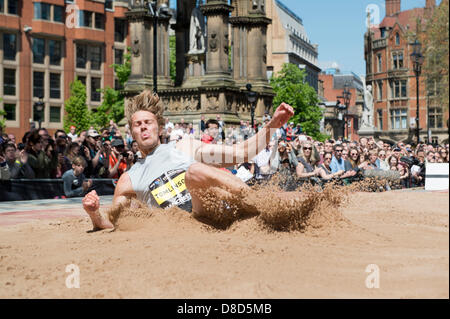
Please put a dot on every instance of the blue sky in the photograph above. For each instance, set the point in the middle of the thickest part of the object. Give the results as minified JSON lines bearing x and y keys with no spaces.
{"x":338,"y":27}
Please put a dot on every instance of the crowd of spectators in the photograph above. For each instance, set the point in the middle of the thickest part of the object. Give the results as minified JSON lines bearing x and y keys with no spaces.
{"x":80,"y":156}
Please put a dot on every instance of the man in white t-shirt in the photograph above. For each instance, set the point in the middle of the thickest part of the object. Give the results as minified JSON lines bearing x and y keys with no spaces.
{"x":168,"y":124}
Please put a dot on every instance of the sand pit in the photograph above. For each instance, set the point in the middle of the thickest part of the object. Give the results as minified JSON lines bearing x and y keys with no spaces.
{"x":171,"y":255}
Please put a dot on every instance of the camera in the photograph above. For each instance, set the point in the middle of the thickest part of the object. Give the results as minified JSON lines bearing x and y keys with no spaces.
{"x":125,"y":154}
{"x":409,"y":161}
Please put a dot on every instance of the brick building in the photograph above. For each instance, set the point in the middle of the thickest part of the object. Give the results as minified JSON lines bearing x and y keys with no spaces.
{"x":332,"y":84}
{"x":288,"y":42}
{"x":389,"y":69}
{"x":45,"y":44}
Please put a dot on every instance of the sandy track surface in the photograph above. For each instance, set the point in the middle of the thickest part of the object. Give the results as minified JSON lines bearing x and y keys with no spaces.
{"x":172,"y":255}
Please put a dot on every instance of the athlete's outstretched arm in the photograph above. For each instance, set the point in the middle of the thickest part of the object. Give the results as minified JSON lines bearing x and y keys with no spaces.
{"x":227,"y":155}
{"x":122,"y":196}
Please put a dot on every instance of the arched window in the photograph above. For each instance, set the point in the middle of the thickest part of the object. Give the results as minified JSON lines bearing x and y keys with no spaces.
{"x":397,"y":39}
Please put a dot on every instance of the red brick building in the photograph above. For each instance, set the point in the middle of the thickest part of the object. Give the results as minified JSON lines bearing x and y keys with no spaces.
{"x":45,"y":44}
{"x":389,"y":69}
{"x":332,"y":87}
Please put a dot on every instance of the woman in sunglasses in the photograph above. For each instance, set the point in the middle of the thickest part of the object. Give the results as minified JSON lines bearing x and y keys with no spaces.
{"x":325,"y":169}
{"x":354,"y":157}
{"x":307,"y":161}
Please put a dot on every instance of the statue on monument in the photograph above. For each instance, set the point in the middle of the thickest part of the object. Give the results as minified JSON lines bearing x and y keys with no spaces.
{"x":367,"y":116}
{"x":197,"y":32}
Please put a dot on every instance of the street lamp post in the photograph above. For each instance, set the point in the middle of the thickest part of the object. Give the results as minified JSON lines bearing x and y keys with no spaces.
{"x":346,"y":95}
{"x":417,"y":59}
{"x":340,"y":108}
{"x":251,"y":98}
{"x":39,"y":106}
{"x":156,"y":13}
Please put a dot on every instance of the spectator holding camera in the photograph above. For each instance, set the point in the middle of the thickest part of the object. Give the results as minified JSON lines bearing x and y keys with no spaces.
{"x":284,"y":159}
{"x":119,"y":159}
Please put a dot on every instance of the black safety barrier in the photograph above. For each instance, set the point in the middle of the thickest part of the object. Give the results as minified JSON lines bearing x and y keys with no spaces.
{"x":26,"y":189}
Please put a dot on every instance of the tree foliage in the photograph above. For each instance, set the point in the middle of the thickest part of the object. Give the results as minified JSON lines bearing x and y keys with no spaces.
{"x":436,"y":52}
{"x":112,"y":107}
{"x":76,"y":108}
{"x":2,"y":118}
{"x":291,"y":87}
{"x":173,"y":57}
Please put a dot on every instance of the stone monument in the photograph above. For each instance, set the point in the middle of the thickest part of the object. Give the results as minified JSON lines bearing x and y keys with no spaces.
{"x":212,"y":67}
{"x":367,"y":128}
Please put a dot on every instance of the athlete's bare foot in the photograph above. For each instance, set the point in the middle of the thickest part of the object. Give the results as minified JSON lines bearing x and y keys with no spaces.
{"x":91,"y":204}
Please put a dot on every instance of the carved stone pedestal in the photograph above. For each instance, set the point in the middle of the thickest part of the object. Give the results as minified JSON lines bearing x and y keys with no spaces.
{"x":195,"y":70}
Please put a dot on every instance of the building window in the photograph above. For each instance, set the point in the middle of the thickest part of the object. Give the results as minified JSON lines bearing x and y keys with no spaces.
{"x":38,"y":50}
{"x":95,"y":85}
{"x":55,"y":49}
{"x":118,"y":56}
{"x":82,"y":79}
{"x":9,"y":46}
{"x":120,"y":30}
{"x":9,"y":81}
{"x":380,"y":119}
{"x":12,"y":6}
{"x":380,"y":90}
{"x":38,"y":84}
{"x":8,"y":6}
{"x":96,"y":57}
{"x":435,"y":117}
{"x":432,"y":87}
{"x":397,"y":39}
{"x":55,"y":85}
{"x":10,"y":110}
{"x":398,"y":89}
{"x":55,"y":114}
{"x":380,"y":61}
{"x":58,"y":13}
{"x":42,"y":11}
{"x":99,"y":21}
{"x":85,"y":19}
{"x":399,"y":119}
{"x":109,"y":4}
{"x":383,"y":32}
{"x":81,"y":56}
{"x":397,"y":59}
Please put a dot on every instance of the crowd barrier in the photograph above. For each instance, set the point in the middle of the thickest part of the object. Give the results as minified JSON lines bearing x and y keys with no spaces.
{"x":28,"y":189}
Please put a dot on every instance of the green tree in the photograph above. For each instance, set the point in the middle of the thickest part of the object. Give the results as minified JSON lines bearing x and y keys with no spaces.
{"x":173,"y":57}
{"x":77,"y":113}
{"x":291,"y":87}
{"x":112,"y":107}
{"x":435,"y":41}
{"x":2,"y":119}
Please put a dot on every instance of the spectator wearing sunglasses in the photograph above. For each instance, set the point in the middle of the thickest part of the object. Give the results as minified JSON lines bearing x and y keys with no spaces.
{"x":307,"y":161}
{"x":325,"y":169}
{"x":338,"y":164}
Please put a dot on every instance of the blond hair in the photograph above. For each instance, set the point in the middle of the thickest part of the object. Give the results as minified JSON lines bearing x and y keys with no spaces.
{"x":315,"y":156}
{"x":78,"y":160}
{"x":145,"y":101}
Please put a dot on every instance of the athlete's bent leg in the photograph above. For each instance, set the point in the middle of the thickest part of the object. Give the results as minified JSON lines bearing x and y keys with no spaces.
{"x":201,"y":177}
